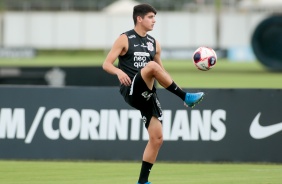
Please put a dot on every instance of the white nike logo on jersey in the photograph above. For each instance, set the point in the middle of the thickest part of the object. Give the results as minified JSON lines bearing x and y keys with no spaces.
{"x":136,"y":45}
{"x":258,"y":131}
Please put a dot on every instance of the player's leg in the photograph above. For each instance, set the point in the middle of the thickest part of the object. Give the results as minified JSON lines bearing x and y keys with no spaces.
{"x":145,"y":99}
{"x":152,"y":149}
{"x":155,"y":140}
{"x":154,"y":71}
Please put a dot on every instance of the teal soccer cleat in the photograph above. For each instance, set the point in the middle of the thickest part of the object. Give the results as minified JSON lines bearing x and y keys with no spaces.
{"x":146,"y":183}
{"x":191,"y":99}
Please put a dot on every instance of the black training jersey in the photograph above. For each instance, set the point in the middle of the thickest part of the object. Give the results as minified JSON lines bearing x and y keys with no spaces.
{"x":140,"y":51}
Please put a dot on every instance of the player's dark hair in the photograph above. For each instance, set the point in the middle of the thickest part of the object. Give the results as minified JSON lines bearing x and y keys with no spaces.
{"x":142,"y":10}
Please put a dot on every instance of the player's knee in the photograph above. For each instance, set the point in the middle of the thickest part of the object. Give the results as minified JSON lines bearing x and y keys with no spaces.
{"x":157,"y":140}
{"x":160,"y":141}
{"x":153,"y":67}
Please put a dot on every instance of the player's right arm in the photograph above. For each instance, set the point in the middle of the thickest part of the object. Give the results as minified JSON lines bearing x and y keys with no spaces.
{"x":119,"y":48}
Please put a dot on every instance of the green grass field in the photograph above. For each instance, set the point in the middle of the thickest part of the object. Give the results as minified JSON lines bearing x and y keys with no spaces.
{"x":43,"y":172}
{"x":225,"y":74}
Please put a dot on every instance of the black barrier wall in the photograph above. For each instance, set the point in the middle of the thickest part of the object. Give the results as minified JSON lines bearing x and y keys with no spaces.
{"x":57,"y":76}
{"x":95,"y":123}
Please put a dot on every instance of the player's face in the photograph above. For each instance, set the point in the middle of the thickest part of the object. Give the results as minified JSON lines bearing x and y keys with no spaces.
{"x":149,"y":21}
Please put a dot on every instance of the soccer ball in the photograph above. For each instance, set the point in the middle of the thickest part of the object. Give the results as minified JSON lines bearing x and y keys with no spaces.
{"x":204,"y":58}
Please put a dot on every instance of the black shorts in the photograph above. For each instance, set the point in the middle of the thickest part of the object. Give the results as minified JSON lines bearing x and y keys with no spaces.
{"x":139,"y":96}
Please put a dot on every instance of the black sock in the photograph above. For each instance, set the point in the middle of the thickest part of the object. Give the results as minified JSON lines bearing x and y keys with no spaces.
{"x":145,"y":171}
{"x":176,"y":90}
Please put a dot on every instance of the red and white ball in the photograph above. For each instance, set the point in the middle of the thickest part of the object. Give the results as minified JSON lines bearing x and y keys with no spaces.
{"x":204,"y":58}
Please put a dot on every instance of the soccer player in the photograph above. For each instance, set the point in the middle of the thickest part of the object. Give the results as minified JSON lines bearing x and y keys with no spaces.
{"x":139,"y":65}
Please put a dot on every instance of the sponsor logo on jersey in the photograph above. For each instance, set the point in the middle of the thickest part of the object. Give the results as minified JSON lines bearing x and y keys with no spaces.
{"x":140,"y":59}
{"x":131,"y":36}
{"x":143,"y":54}
{"x":150,"y":46}
{"x":143,"y":45}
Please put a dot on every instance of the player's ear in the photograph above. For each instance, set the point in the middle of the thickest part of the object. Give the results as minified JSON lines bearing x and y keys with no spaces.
{"x":139,"y":19}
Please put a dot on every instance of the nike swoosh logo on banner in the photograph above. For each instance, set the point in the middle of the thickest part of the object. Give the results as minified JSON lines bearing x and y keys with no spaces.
{"x":258,"y":131}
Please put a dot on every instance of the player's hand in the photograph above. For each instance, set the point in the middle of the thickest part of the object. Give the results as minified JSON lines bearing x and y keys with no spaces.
{"x":123,"y":78}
